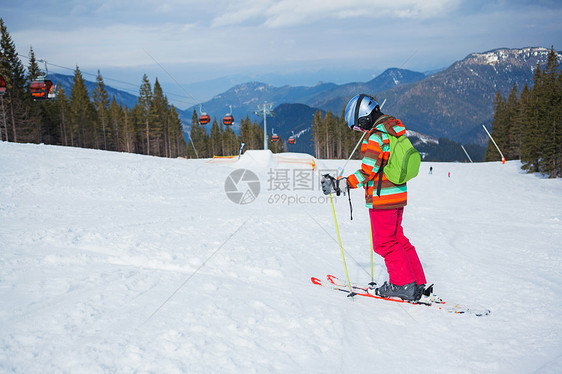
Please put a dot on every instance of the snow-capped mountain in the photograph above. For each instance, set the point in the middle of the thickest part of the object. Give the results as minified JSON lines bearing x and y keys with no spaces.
{"x":455,"y":102}
{"x":245,"y":97}
{"x":452,"y":103}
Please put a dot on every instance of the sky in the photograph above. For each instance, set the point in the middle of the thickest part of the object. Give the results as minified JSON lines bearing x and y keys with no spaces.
{"x":206,"y":45}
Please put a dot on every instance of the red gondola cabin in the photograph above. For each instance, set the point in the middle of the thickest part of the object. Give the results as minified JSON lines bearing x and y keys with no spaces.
{"x":228,"y":120}
{"x":204,"y":119}
{"x":292,"y":140}
{"x":42,"y":89}
{"x":2,"y":86}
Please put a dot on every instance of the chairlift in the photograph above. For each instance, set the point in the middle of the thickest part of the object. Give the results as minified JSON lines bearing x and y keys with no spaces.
{"x":274,"y":136}
{"x":292,"y":139}
{"x":204,"y":118}
{"x":42,"y":88}
{"x":228,"y":119}
{"x":2,"y":86}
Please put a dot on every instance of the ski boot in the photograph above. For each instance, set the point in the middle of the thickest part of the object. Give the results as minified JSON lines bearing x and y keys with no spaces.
{"x":389,"y":290}
{"x":420,"y":289}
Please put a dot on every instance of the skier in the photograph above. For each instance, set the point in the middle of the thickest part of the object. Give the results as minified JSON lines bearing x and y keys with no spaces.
{"x":386,"y":203}
{"x":241,"y":148}
{"x":431,"y":170}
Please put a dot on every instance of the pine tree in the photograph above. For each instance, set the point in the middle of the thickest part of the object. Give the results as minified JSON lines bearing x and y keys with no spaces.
{"x":530,"y":150}
{"x":175,"y":130}
{"x":3,"y":118}
{"x":231,"y":142}
{"x":145,"y":98}
{"x":33,"y":70}
{"x":115,"y":118}
{"x":177,"y":141}
{"x":251,"y":133}
{"x":216,"y":140}
{"x":246,"y":135}
{"x":101,"y":102}
{"x":18,"y":126}
{"x":551,"y":128}
{"x":329,"y":129}
{"x":82,"y":126}
{"x":317,"y":132}
{"x":129,"y":131}
{"x":338,"y":141}
{"x":499,"y":128}
{"x":520,"y":122}
{"x":191,"y":149}
{"x":197,"y":146}
{"x":159,"y":122}
{"x":511,"y":128}
{"x":62,"y":106}
{"x":558,"y":115}
{"x":47,"y":114}
{"x":257,"y":132}
{"x":43,"y":127}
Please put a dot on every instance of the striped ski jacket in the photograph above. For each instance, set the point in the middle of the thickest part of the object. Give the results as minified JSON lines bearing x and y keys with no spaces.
{"x":375,"y":150}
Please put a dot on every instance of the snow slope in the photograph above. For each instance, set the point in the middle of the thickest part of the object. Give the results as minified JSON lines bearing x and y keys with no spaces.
{"x":124,"y":263}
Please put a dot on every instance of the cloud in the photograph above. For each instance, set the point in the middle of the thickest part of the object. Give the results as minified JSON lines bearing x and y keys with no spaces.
{"x":287,"y":13}
{"x":225,"y":37}
{"x":242,"y":12}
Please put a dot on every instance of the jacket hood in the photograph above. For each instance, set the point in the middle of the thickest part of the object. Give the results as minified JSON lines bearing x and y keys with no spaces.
{"x":390,"y":125}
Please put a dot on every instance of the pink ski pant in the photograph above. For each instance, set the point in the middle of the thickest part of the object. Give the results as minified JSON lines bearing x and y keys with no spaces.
{"x":400,"y":257}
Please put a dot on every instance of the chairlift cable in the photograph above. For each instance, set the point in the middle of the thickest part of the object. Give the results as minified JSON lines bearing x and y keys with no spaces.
{"x":133,"y":92}
{"x":170,"y":75}
{"x":184,"y":90}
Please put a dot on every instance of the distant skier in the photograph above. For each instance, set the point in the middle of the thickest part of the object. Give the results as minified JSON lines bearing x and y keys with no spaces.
{"x":406,"y":275}
{"x":241,"y":148}
{"x":431,"y":170}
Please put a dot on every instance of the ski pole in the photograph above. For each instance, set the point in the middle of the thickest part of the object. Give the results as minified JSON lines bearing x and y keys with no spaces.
{"x":352,"y":153}
{"x":351,"y":293}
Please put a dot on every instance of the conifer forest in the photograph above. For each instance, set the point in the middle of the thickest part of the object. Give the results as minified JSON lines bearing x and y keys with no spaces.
{"x":528,"y":126}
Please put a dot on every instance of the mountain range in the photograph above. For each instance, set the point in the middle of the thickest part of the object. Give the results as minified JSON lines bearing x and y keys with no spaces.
{"x":244,"y":98}
{"x":122,"y":97}
{"x":451,"y":103}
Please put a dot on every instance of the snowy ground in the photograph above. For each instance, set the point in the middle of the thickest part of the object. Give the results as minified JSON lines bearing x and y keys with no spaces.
{"x":123,"y":263}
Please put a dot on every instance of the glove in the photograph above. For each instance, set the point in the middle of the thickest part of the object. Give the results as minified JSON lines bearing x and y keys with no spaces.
{"x":328,"y":183}
{"x":342,"y":184}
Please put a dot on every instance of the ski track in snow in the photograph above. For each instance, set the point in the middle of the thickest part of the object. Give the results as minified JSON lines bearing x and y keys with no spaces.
{"x":115,"y":262}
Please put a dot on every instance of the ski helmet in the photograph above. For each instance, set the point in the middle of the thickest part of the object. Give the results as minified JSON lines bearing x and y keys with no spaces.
{"x":358,"y":112}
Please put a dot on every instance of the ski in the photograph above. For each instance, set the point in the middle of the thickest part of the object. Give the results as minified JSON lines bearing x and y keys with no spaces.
{"x":427,"y":298}
{"x":334,"y":283}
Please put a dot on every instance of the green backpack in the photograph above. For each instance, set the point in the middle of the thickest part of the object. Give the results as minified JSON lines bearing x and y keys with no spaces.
{"x":403,"y":163}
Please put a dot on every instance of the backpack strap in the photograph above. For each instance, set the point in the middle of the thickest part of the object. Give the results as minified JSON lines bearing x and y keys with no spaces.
{"x":381,"y":170}
{"x":379,"y":185}
{"x":373,"y":130}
